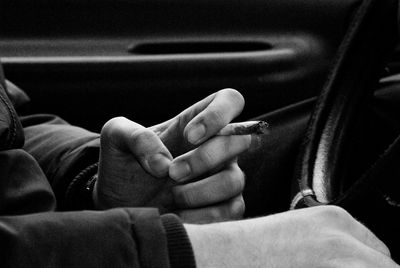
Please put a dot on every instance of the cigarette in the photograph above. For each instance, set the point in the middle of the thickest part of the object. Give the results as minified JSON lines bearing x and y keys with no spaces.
{"x":245,"y":128}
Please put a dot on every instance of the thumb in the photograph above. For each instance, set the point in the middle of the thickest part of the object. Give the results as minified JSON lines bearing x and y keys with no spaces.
{"x":127,"y":136}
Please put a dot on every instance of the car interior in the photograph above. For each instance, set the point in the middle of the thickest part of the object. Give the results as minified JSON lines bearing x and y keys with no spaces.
{"x":88,"y":61}
{"x":147,"y":60}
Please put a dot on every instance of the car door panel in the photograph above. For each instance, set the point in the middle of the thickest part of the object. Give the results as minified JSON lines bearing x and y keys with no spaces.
{"x":91,"y":60}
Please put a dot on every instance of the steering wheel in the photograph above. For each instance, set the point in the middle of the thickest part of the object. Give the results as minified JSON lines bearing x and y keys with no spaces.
{"x":323,"y":168}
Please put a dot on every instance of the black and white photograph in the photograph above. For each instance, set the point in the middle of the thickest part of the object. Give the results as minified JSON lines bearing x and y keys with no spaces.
{"x":200,"y":133}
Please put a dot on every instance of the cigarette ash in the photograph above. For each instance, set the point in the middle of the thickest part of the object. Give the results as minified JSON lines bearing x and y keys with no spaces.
{"x":259,"y":128}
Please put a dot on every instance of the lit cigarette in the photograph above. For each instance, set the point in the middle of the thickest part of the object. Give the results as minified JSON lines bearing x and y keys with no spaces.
{"x":245,"y":128}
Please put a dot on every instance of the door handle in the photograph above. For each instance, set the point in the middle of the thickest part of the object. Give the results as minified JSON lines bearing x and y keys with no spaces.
{"x":199,"y":47}
{"x":178,"y":59}
{"x":217,"y":56}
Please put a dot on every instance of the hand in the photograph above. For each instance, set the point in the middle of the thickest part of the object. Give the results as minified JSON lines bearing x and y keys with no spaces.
{"x":133,"y":168}
{"x":324,"y":236}
{"x":134,"y":163}
{"x":199,"y":122}
{"x":190,"y":138}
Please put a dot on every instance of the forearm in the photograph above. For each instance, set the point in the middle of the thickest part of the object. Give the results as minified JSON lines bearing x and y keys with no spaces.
{"x":222,"y":245}
{"x":323,"y":236}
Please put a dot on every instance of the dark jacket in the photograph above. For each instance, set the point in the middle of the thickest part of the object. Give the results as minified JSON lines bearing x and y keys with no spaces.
{"x":39,"y":157}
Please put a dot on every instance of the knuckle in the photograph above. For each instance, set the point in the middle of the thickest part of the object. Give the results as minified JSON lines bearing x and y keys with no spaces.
{"x":208,"y":158}
{"x":385,"y":250}
{"x":337,"y":243}
{"x":216,"y":214}
{"x":216,"y":116}
{"x":238,"y":208}
{"x":235,"y":209}
{"x":335,"y":218}
{"x":227,"y":144}
{"x":376,"y":243}
{"x":224,"y":148}
{"x":237,"y":181}
{"x":142,"y":135}
{"x":336,"y":213}
{"x":183,"y":198}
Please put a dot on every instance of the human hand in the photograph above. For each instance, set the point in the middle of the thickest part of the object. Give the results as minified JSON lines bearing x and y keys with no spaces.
{"x":324,"y":236}
{"x":190,"y":137}
{"x":134,"y":163}
{"x":133,"y":168}
{"x":200,"y":121}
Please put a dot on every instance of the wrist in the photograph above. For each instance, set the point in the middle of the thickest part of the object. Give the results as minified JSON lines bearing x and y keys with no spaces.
{"x":205,"y":244}
{"x":219,"y":245}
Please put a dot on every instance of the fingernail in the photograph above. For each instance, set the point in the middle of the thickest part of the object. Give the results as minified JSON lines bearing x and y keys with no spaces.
{"x":159,"y":164}
{"x":179,"y":170}
{"x":196,"y":133}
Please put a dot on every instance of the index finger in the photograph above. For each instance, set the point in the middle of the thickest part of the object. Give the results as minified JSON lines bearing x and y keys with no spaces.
{"x":216,"y":113}
{"x":208,"y":156}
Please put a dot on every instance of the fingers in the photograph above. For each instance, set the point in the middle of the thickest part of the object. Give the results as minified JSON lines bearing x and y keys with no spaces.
{"x":214,"y":113}
{"x":370,"y":239}
{"x":365,"y":256}
{"x":344,"y":251}
{"x":208,"y":156}
{"x":121,"y":135}
{"x":214,"y":189}
{"x":344,"y":222}
{"x":230,"y":210}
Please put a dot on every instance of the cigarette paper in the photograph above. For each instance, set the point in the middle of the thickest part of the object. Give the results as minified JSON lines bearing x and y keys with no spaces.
{"x":245,"y":128}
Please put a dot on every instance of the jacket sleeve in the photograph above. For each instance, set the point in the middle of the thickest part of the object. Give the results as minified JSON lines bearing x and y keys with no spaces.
{"x":136,"y":237}
{"x":61,"y":150}
{"x":32,"y":234}
{"x":112,"y":238}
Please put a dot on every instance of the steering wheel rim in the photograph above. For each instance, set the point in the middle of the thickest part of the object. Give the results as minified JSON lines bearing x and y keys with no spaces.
{"x":355,"y":73}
